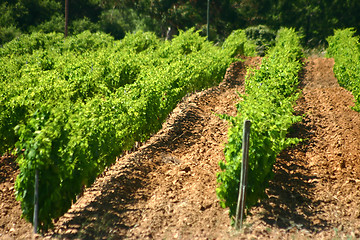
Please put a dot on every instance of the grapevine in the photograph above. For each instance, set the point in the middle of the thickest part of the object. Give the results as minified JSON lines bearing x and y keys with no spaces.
{"x":69,"y":108}
{"x":344,"y":48}
{"x":270,"y":93}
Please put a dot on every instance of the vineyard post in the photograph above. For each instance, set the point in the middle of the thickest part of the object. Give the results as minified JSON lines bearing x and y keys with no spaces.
{"x":243,"y":176}
{"x":66,"y":17}
{"x":208,"y":19}
{"x":36,"y":201}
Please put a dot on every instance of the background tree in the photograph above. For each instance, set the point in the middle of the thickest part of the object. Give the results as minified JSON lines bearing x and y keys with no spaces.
{"x":315,"y":19}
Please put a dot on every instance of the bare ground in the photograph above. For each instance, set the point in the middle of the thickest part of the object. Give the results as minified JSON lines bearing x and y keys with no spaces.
{"x":166,"y":189}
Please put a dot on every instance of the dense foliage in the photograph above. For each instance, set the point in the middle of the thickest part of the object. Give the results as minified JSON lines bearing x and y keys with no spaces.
{"x":70,"y":107}
{"x":344,"y":47}
{"x":314,"y":19}
{"x":271,"y":92}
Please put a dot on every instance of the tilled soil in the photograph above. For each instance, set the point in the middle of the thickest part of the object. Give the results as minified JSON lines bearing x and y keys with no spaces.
{"x":11,"y":225}
{"x":315,"y":193}
{"x":166,"y":188}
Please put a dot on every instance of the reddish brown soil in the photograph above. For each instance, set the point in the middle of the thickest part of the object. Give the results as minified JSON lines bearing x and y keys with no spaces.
{"x":166,"y":189}
{"x":11,"y":225}
{"x":315,"y":193}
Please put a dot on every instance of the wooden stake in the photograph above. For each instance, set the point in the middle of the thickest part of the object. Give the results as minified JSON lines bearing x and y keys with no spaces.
{"x":36,"y":201}
{"x":208,"y":19}
{"x":243,"y":176}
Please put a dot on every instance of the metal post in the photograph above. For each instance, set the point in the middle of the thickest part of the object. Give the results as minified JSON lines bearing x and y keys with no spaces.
{"x":208,"y":19}
{"x":243,"y":177}
{"x":36,"y":201}
{"x":66,"y":17}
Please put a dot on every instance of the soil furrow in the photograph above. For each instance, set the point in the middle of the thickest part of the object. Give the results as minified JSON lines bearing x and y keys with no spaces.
{"x":315,"y":192}
{"x":166,"y":188}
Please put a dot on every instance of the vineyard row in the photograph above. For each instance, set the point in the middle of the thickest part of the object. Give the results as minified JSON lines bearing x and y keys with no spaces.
{"x":270,"y":94}
{"x":69,"y":108}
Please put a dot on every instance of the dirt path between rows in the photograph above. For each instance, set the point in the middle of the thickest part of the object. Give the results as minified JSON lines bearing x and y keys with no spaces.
{"x":166,"y":189}
{"x":315,"y":193}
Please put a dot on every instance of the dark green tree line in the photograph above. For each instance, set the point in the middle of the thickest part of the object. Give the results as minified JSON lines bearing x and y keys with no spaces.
{"x":315,"y":19}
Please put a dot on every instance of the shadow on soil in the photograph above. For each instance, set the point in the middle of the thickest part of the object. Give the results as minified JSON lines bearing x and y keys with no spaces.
{"x":113,"y":213}
{"x":8,"y":166}
{"x":290,"y":203}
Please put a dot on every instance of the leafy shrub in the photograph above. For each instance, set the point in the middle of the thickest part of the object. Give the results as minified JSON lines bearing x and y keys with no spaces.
{"x":271,"y":92}
{"x":27,"y":44}
{"x":54,"y":24}
{"x":81,"y":25}
{"x":262,"y":36}
{"x":139,"y":41}
{"x":237,"y":44}
{"x":87,"y":41}
{"x":8,"y":33}
{"x":344,"y":48}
